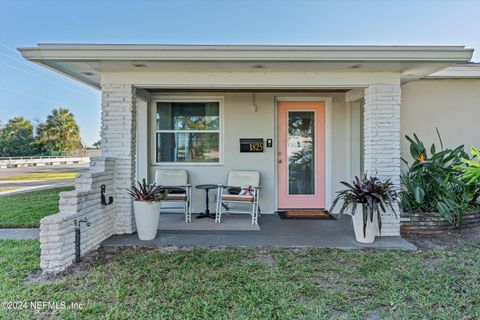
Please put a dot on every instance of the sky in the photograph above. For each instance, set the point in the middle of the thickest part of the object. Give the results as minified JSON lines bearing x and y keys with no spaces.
{"x":31,"y":91}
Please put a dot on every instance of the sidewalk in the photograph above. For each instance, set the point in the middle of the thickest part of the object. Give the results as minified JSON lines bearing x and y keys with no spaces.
{"x":20,"y":234}
{"x":23,"y":186}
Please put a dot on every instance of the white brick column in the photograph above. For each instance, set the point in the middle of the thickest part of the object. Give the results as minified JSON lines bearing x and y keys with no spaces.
{"x":382,"y":141}
{"x":118,"y":141}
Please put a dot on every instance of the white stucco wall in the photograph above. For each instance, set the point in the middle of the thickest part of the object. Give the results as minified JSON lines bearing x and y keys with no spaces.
{"x":240,"y":122}
{"x":451,"y":105}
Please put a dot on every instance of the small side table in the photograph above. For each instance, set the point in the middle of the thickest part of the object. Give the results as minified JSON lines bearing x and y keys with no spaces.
{"x":207,"y":188}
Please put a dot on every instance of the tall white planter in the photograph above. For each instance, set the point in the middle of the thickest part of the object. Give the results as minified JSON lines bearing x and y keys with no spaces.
{"x":371,"y":228}
{"x":147,"y":214}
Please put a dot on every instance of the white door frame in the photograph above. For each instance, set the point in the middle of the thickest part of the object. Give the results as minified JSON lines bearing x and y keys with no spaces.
{"x":328,"y":143}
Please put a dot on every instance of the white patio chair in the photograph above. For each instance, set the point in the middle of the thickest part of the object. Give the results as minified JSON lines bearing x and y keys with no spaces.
{"x":176,"y":182}
{"x":243,"y":187}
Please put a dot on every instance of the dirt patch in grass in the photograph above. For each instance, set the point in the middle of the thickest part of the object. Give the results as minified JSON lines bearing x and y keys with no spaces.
{"x":444,"y":240}
{"x":266,"y":259}
{"x":375,"y":314}
{"x":154,"y":249}
{"x":431,"y":263}
{"x":97,"y":257}
{"x":329,"y":283}
{"x":77,"y":270}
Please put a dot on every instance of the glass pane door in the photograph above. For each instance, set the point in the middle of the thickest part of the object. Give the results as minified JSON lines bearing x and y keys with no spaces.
{"x":300,"y":155}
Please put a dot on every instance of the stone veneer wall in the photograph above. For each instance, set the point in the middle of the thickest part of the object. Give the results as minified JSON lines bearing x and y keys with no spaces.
{"x":115,"y":169}
{"x":382,"y":142}
{"x":57,"y":234}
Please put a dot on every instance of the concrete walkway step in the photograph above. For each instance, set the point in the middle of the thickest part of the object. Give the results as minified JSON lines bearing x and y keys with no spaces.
{"x":274,"y":232}
{"x":20,"y":234}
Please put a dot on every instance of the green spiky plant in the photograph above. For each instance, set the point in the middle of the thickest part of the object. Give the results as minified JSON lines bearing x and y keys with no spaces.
{"x":434,"y":183}
{"x":471,"y":174}
{"x":147,"y":192}
{"x":372,"y":194}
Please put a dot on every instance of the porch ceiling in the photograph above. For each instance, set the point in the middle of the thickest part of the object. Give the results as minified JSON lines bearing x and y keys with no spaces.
{"x":86,"y":62}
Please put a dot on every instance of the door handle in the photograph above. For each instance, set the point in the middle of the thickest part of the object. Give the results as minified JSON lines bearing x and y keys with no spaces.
{"x":279,"y":160}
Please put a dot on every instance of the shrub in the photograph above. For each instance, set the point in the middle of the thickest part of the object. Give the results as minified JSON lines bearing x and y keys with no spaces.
{"x":471,"y":174}
{"x":434,"y":182}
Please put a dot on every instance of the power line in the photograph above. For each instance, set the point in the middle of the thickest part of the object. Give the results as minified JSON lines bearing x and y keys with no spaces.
{"x":24,"y":63}
{"x":31,"y":66}
{"x":21,"y":61}
{"x":28,"y":94}
{"x":40,"y":77}
{"x":9,"y":48}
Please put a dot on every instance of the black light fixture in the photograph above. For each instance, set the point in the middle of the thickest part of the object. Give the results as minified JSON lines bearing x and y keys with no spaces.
{"x":258,"y":66}
{"x":139,"y":65}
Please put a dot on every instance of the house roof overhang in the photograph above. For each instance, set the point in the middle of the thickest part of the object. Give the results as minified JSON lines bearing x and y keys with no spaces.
{"x":459,"y":71}
{"x":86,"y":62}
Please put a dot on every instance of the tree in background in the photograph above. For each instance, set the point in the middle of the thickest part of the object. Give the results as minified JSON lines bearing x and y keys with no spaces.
{"x":16,"y":138}
{"x":59,"y":133}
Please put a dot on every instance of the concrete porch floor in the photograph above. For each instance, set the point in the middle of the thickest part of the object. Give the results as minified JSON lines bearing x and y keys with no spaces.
{"x":274,"y":232}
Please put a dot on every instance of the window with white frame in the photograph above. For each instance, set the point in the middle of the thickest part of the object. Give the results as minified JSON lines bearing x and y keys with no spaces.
{"x":187,"y":132}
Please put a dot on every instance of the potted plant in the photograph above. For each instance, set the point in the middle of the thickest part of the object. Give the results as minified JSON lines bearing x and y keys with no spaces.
{"x":374,"y":197}
{"x":146,"y":205}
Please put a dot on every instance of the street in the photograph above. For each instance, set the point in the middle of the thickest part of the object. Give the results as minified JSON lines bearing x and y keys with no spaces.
{"x":21,"y":186}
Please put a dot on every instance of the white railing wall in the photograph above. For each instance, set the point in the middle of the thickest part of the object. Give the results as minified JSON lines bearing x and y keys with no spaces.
{"x":15,"y":162}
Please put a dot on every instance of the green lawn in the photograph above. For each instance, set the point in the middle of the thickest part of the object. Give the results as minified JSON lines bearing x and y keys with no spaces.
{"x":25,"y":210}
{"x":254,"y":284}
{"x":67,"y":175}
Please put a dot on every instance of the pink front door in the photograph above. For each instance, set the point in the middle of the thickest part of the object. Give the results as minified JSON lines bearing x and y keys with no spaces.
{"x":301,"y":155}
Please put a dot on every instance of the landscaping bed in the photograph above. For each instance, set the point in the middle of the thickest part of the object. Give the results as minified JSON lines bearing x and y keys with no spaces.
{"x":434,"y":222}
{"x":440,"y":188}
{"x":26,"y":209}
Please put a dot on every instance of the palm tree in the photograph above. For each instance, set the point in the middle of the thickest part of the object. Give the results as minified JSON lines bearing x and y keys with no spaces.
{"x":60,"y":132}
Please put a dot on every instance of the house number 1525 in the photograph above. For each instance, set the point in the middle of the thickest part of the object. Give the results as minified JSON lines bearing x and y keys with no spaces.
{"x":256,"y":147}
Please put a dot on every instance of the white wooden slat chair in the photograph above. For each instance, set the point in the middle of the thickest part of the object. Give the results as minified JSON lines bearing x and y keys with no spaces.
{"x":176,"y":182}
{"x":248,"y":185}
